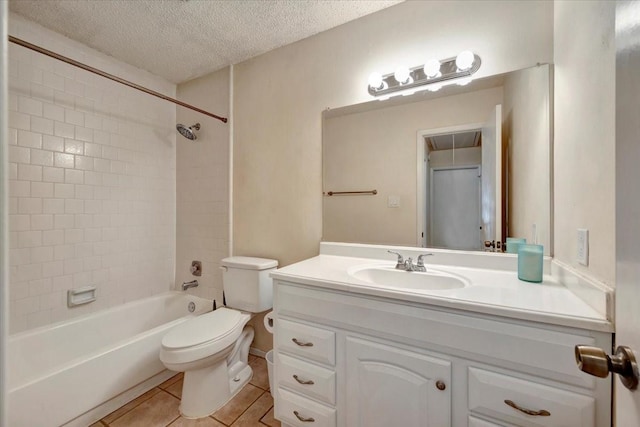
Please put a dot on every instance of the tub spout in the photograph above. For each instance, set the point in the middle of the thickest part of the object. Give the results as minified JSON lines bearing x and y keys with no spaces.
{"x":191,"y":284}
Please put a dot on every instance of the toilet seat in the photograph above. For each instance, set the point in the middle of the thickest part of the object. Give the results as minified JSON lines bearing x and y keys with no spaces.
{"x":202,"y":336}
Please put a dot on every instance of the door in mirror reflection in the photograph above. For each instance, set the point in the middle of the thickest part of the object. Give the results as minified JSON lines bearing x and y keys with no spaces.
{"x":455,"y":208}
{"x":463,"y":186}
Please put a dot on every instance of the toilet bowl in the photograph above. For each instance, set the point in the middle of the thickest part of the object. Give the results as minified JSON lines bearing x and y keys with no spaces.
{"x":212,"y":349}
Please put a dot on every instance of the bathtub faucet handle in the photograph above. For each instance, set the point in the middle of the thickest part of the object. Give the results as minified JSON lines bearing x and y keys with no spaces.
{"x":191,"y":284}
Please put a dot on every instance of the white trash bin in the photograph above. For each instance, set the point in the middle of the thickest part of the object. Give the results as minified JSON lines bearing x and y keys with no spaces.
{"x":269,"y":357}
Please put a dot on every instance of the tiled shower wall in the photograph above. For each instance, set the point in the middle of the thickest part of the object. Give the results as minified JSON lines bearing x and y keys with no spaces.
{"x":92,"y":181}
{"x":202,"y":185}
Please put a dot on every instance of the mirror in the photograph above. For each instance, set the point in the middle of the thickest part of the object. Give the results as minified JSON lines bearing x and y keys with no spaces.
{"x":451,"y":168}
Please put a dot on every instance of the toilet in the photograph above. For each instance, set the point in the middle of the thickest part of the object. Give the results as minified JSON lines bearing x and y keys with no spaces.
{"x":212,"y":349}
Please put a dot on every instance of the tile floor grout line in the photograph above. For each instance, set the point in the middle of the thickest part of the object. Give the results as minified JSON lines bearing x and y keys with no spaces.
{"x":177,"y":418}
{"x":171,"y":394}
{"x":131,"y":409}
{"x":264,"y":415}
{"x":246,"y":409}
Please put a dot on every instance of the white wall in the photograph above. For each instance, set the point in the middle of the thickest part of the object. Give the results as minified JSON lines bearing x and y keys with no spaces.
{"x":92,"y":181}
{"x":279,"y":97}
{"x":202,"y":187}
{"x":584,"y":141}
{"x":526,"y":123}
{"x":377,"y":150}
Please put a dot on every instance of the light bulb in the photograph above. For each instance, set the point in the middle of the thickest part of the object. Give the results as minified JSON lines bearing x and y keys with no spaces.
{"x":465,"y":60}
{"x":432,"y":68}
{"x":403,"y":76}
{"x":375,"y":81}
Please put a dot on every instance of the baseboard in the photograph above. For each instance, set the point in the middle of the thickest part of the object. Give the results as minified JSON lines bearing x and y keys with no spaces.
{"x":257,"y":352}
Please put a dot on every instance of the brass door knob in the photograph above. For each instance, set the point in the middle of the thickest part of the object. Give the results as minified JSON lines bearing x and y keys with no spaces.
{"x":597,"y":362}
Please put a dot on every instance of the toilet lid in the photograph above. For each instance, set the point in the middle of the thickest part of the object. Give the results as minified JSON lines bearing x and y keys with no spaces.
{"x":204,"y":328}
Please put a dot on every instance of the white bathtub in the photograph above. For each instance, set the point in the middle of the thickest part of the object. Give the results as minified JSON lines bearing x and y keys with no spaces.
{"x":60,"y":374}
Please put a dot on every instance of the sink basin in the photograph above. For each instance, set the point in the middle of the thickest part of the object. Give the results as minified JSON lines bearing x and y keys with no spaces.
{"x":432,"y":280}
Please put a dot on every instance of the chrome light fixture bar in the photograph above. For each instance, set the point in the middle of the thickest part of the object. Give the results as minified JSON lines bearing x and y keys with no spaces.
{"x":433,"y":71}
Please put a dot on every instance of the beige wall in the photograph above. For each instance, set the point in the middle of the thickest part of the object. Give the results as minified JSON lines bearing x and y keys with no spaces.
{"x":202,"y":184}
{"x":279,"y":97}
{"x":584,"y":141}
{"x":377,"y":149}
{"x":526,"y":114}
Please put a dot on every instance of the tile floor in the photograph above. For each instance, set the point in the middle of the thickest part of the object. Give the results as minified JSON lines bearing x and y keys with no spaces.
{"x":251,"y":407}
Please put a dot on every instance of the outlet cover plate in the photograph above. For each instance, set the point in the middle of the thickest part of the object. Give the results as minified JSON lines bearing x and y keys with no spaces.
{"x":583,"y":246}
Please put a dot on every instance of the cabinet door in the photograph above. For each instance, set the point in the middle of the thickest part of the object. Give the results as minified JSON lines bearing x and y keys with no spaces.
{"x":389,"y":386}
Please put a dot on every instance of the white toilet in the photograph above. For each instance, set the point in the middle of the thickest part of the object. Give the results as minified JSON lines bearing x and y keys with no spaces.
{"x":212,"y":349}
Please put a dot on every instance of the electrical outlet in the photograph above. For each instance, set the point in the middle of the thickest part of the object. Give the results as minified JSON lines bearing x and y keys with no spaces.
{"x":583,"y":246}
{"x":393,"y":201}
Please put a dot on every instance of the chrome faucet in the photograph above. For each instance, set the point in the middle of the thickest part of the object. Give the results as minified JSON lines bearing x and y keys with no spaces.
{"x":420,"y":265}
{"x":400,"y":265}
{"x":408,"y":265}
{"x":191,"y":284}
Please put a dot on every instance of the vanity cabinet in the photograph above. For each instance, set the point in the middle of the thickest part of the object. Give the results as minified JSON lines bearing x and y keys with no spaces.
{"x":355,"y":360}
{"x":387,"y":386}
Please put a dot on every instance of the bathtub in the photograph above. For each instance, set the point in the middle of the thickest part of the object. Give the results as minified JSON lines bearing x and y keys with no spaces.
{"x":68,"y":372}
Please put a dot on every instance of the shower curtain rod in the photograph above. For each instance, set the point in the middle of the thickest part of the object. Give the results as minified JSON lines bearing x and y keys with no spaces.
{"x":110,"y":76}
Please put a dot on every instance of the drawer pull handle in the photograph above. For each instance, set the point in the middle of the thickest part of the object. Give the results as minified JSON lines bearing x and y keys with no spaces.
{"x":305,"y":382}
{"x":302,"y":344}
{"x":540,"y":413}
{"x":303,"y":419}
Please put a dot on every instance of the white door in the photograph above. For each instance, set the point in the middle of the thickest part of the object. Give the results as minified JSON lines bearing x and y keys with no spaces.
{"x":492,"y":176}
{"x":627,"y":404}
{"x":455,"y":208}
{"x":389,"y":386}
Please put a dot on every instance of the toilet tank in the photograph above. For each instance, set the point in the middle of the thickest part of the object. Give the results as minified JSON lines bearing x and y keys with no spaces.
{"x":246,"y":281}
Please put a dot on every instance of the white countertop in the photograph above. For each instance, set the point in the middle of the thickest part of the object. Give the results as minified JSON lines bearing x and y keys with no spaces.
{"x":496,"y":291}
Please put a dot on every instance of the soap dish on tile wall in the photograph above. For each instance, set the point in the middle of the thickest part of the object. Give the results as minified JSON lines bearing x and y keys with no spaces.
{"x":81,"y":296}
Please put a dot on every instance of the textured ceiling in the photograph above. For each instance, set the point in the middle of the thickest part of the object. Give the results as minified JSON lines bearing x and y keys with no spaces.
{"x":180,"y":40}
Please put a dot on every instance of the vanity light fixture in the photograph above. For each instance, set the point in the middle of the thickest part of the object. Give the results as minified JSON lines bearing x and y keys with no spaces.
{"x":432,"y":71}
{"x":403,"y":76}
{"x":464,"y":60}
{"x":376,"y":81}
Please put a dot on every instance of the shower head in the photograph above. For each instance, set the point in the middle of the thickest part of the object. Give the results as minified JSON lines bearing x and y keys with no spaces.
{"x":188,"y":132}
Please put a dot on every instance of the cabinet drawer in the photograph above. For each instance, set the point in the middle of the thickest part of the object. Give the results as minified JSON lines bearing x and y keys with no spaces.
{"x":306,"y":341}
{"x":312,"y":380}
{"x":500,"y":396}
{"x":298,"y":411}
{"x":477,"y":422}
